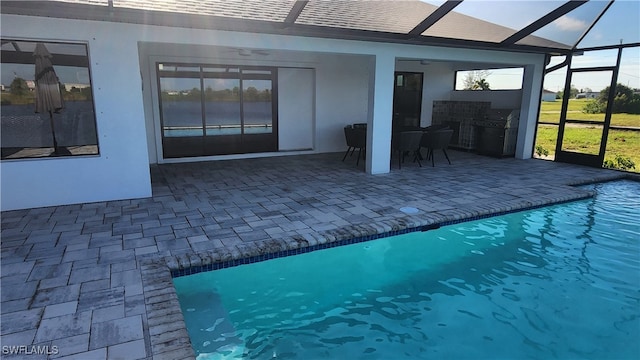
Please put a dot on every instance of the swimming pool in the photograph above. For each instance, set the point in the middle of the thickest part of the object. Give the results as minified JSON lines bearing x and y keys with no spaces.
{"x":556,"y":282}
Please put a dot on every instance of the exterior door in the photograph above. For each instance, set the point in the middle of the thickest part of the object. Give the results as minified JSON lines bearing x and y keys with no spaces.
{"x":181,"y":113}
{"x":582,"y":141}
{"x":217,"y":110}
{"x":407,"y":99}
{"x":259,"y":127}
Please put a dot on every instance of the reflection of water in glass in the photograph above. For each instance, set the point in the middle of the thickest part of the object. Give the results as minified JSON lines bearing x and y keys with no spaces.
{"x":557,"y":282}
{"x":75,"y":125}
{"x":217,"y":131}
{"x":184,"y":113}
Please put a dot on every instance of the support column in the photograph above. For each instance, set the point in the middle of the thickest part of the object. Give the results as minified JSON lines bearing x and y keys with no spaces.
{"x":380,"y":114}
{"x":529,"y":109}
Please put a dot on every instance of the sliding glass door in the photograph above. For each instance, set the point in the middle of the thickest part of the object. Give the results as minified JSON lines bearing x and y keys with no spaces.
{"x":217,"y":110}
{"x":257,"y":106}
{"x":222,"y":107}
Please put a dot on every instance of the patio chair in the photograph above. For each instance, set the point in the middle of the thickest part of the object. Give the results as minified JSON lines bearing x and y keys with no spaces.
{"x":407,"y":142}
{"x":435,"y":127}
{"x":432,"y":140}
{"x":356,"y":139}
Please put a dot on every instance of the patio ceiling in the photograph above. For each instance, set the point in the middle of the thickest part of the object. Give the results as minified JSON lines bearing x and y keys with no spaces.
{"x":548,"y":26}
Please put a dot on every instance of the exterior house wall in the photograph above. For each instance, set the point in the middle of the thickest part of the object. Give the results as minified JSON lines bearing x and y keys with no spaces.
{"x":438,"y":80}
{"x":342,"y":99}
{"x":353,"y":83}
{"x":336,"y":96}
{"x":587,"y":95}
{"x":296,"y":109}
{"x":531,"y":90}
{"x":121,"y":170}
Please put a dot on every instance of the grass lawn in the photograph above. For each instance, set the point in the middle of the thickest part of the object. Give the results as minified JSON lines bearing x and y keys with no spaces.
{"x":550,"y":112}
{"x":587,"y":140}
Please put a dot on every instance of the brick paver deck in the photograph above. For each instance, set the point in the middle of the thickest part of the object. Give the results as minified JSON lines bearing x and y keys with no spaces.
{"x":92,"y":281}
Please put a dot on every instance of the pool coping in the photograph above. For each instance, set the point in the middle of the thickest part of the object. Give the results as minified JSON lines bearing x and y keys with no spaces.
{"x":169,"y":338}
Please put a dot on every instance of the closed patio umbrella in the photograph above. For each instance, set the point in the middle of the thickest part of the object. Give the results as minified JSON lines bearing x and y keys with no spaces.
{"x":48,"y":95}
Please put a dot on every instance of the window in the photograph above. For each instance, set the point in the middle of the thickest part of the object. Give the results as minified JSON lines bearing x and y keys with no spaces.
{"x":47,"y":101}
{"x":490,"y":79}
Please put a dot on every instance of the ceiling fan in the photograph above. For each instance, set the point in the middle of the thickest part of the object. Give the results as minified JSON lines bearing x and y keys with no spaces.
{"x":250,"y":52}
{"x":421,"y":61}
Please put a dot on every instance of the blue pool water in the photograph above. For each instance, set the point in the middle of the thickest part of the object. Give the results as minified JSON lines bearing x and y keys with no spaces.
{"x":560,"y":282}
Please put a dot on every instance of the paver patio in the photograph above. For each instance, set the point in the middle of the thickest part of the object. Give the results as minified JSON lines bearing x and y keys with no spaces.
{"x":92,"y":280}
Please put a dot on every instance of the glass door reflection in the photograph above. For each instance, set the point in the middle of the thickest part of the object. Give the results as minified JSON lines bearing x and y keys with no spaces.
{"x":181,"y":107}
{"x":217,"y":110}
{"x":222,"y":106}
{"x":257,"y":106}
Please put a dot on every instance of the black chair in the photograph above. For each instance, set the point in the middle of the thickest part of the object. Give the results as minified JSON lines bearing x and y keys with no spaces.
{"x":356,"y":139}
{"x":439,"y":139}
{"x":435,"y":127}
{"x":406,"y":142}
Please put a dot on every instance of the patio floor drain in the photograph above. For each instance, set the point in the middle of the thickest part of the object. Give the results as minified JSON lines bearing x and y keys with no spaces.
{"x":409,"y":210}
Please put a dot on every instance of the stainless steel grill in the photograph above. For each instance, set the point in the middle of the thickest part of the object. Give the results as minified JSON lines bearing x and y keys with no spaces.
{"x":497,"y":132}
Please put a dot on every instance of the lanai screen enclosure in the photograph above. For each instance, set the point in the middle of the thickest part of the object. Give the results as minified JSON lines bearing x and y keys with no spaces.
{"x":213,"y":80}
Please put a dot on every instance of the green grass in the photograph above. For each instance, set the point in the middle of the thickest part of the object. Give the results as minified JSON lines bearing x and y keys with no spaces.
{"x":9,"y":99}
{"x":550,"y":112}
{"x":587,"y":140}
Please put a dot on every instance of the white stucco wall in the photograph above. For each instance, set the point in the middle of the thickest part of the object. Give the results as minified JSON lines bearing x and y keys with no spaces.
{"x":438,"y":83}
{"x":344,"y":91}
{"x":380,"y":113}
{"x":438,"y":79}
{"x":342,"y":99}
{"x":347,"y":90}
{"x":529,"y":109}
{"x":121,"y":170}
{"x":296,"y":109}
{"x":330,"y":90}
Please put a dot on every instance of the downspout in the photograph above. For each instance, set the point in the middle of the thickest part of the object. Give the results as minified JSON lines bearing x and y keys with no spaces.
{"x":558,"y":66}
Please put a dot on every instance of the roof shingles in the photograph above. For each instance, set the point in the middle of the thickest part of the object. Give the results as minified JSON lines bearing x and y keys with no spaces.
{"x":380,"y":16}
{"x":373,"y":15}
{"x":265,"y":10}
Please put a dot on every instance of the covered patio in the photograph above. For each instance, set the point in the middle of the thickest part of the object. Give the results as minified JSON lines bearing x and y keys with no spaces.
{"x":231,"y":80}
{"x":90,"y":241}
{"x":94,"y":279}
{"x":318,"y":196}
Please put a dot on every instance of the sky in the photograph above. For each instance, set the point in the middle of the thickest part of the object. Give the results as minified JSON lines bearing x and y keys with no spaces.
{"x":629,"y":73}
{"x":620,"y":23}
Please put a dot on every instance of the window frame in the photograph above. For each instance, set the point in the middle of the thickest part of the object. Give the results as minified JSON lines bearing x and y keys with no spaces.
{"x":212,"y":145}
{"x":69,"y":60}
{"x":457,"y":73}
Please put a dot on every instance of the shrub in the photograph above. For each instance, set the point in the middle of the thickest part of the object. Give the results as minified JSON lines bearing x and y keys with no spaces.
{"x":624,"y":101}
{"x":594,"y":107}
{"x":620,"y":162}
{"x":541,"y":151}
